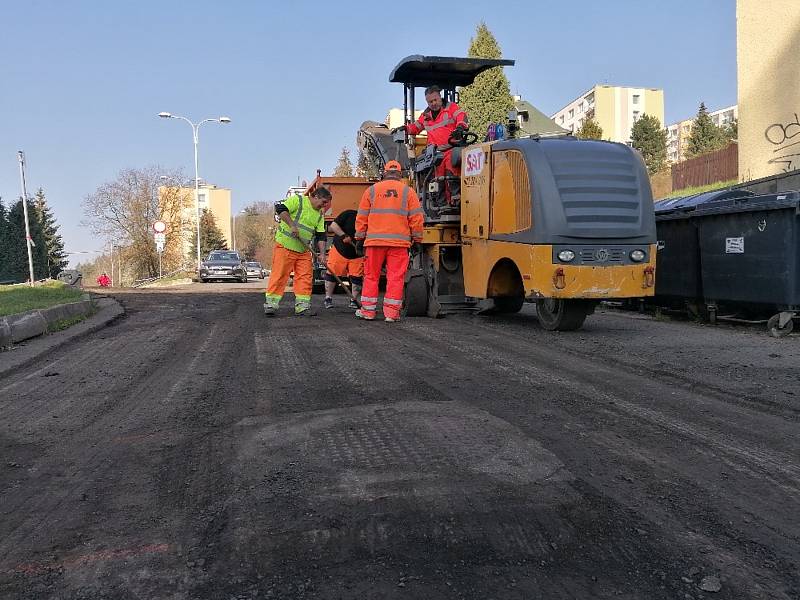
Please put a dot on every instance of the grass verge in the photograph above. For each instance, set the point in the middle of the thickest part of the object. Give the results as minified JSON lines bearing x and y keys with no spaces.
{"x":691,"y":191}
{"x":20,"y":298}
{"x":65,"y":323}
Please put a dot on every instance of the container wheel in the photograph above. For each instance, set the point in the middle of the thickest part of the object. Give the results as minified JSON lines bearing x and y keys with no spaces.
{"x":508,"y":304}
{"x":775,"y":329}
{"x":415,"y":297}
{"x":561,"y":315}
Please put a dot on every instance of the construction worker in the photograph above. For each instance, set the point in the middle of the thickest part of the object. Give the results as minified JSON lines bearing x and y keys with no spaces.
{"x":443,"y":121}
{"x":389,"y":221}
{"x":343,"y":260}
{"x":301,"y":221}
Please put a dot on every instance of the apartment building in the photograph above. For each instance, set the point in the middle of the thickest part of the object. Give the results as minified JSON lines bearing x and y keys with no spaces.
{"x":678,"y":133}
{"x":217,"y":201}
{"x":615,"y":108}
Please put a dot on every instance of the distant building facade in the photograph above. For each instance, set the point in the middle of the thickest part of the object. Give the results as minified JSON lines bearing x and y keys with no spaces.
{"x":678,"y":133}
{"x":615,"y":108}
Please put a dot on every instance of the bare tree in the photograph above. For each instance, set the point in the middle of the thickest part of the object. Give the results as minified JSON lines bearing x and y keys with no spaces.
{"x":123,"y":211}
{"x":255,"y":232}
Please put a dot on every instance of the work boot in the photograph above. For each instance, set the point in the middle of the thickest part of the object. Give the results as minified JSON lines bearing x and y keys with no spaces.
{"x":305,"y":313}
{"x":269,"y":310}
{"x":352,"y":304}
{"x":360,"y":315}
{"x":391,"y":320}
{"x":328,"y":302}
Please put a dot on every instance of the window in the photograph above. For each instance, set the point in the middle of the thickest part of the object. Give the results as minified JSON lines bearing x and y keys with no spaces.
{"x":561,"y":119}
{"x":636,"y":98}
{"x":635,"y":115}
{"x":571,"y":112}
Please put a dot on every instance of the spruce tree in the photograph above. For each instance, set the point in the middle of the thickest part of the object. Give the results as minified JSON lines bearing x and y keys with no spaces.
{"x":344,"y":168}
{"x":5,"y":257}
{"x":17,"y":250}
{"x":211,"y":238}
{"x":705,"y":136}
{"x":488,"y":99}
{"x":56,"y":258}
{"x":650,"y":138}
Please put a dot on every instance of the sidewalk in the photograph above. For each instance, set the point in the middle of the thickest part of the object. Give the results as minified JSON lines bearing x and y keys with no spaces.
{"x":25,"y":352}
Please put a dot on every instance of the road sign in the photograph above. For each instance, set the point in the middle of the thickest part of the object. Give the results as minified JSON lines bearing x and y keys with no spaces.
{"x":161,"y":238}
{"x":159,"y":227}
{"x":159,"y":247}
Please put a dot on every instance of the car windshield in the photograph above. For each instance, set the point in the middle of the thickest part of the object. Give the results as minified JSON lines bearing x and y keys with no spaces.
{"x":223,"y":256}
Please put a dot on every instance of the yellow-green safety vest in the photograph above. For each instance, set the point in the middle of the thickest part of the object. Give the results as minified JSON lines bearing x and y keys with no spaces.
{"x":308,"y":220}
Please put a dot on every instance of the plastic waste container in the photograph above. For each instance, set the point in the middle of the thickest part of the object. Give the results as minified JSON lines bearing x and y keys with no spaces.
{"x":678,"y":264}
{"x":70,"y":277}
{"x":750,"y":251}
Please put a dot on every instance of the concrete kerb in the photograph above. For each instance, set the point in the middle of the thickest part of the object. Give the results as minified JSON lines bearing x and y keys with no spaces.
{"x":108,"y":310}
{"x":33,"y":323}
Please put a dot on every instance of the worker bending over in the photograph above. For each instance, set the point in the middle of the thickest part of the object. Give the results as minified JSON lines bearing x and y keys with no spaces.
{"x":343,"y":260}
{"x":301,"y":221}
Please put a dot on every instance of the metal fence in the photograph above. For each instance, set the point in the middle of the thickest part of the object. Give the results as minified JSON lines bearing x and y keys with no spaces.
{"x":720,"y":165}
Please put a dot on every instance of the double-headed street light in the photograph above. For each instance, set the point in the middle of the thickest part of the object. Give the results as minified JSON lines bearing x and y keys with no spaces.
{"x":195,"y":128}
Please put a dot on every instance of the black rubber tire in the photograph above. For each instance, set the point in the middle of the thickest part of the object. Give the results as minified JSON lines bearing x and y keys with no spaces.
{"x":561,"y":315}
{"x":775,"y":330}
{"x":415,"y":297}
{"x":508,"y":304}
{"x":203,"y":280}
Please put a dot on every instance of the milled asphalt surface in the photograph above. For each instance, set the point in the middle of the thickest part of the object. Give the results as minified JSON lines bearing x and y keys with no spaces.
{"x":196,"y":449}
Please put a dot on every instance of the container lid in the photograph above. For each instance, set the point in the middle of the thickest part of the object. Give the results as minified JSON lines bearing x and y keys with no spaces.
{"x":788,"y":199}
{"x":688,"y":203}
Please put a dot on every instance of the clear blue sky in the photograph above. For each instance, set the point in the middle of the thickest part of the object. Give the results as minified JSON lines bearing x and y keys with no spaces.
{"x":82,"y":81}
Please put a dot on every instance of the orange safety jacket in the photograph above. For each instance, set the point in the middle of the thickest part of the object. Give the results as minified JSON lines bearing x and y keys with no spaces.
{"x":441,"y":128}
{"x":389,"y":215}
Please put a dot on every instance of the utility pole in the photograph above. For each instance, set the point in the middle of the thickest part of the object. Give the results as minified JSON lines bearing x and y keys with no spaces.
{"x":28,"y":239}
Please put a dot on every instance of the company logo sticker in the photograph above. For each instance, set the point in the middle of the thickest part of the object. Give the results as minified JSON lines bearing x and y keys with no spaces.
{"x":474,"y":161}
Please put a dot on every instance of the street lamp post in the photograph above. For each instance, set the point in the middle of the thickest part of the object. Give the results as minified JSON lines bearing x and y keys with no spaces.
{"x":28,"y":239}
{"x":233,"y":227}
{"x":195,"y":128}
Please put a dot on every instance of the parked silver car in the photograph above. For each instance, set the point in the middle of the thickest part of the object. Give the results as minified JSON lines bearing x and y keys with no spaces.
{"x":223,"y":264}
{"x":254,"y":269}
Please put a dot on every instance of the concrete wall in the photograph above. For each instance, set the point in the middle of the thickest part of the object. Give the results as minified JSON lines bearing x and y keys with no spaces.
{"x":768,"y":70}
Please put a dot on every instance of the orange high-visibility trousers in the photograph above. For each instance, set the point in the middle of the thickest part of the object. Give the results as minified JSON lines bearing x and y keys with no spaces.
{"x":396,"y":260}
{"x":284,"y":262}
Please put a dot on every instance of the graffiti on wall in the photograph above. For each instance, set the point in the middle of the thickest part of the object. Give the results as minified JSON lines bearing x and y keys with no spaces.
{"x":786,"y":139}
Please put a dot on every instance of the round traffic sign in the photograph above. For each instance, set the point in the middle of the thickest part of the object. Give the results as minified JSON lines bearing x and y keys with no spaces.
{"x":159,"y":227}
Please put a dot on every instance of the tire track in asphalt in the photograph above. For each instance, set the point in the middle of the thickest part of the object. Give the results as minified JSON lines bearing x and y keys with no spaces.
{"x":87,"y":460}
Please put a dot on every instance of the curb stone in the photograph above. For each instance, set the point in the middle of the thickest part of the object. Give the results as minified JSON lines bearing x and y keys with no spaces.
{"x":33,"y":323}
{"x":19,"y":356}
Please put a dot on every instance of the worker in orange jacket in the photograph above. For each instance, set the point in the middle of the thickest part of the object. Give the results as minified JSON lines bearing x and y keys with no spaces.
{"x":389,"y":220}
{"x":443,"y":121}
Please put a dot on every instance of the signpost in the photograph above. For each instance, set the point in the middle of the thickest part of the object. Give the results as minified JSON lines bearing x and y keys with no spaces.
{"x":159,"y":227}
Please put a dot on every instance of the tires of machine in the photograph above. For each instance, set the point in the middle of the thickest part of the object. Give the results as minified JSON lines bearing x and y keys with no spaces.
{"x":563,"y":315}
{"x":506,"y":305}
